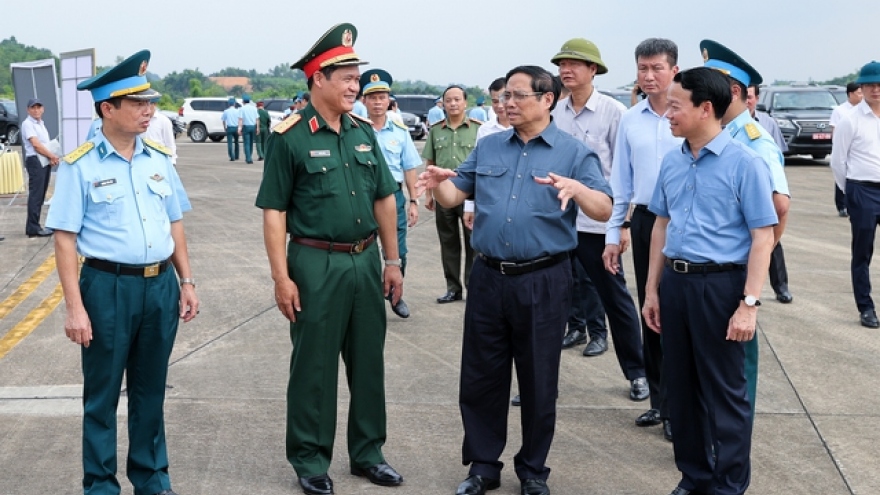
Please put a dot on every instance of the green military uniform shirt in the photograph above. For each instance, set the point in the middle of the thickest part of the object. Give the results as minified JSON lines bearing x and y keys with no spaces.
{"x":264,"y":120}
{"x":448,"y":147}
{"x":326,"y":182}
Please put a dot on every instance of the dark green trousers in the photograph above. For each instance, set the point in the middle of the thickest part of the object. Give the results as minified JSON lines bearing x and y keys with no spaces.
{"x":262,"y":138}
{"x":134,"y":323}
{"x":451,"y":230}
{"x":343,"y":313}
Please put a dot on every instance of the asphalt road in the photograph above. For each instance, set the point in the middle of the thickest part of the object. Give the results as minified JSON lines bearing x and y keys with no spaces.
{"x":815,"y":433}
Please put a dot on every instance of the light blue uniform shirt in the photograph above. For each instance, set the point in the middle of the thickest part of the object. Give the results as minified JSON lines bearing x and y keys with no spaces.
{"x":714,"y":201}
{"x":94,"y":128}
{"x":764,"y":146}
{"x":121,"y":211}
{"x":435,"y":114}
{"x":478,"y":113}
{"x":516,"y":218}
{"x":230,"y":117}
{"x":643,"y":139}
{"x":249,"y":114}
{"x":360,"y":109}
{"x":397,"y":146}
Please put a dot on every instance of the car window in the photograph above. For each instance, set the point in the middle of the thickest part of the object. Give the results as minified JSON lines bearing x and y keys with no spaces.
{"x":804,"y":100}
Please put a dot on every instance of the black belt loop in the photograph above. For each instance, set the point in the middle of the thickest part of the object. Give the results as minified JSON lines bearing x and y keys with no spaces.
{"x":522,"y":267}
{"x":686,"y":267}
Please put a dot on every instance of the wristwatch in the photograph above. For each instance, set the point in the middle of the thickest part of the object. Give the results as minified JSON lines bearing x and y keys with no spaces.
{"x":415,"y":201}
{"x":190,"y":281}
{"x":398,"y":263}
{"x":625,"y":224}
{"x":751,"y":301}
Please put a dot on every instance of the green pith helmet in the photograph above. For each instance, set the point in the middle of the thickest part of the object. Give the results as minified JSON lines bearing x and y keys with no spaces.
{"x":581,"y":49}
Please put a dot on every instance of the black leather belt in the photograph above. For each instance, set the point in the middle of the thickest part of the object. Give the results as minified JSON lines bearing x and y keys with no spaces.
{"x":145,"y":271}
{"x":866,"y":183}
{"x":342,"y":247}
{"x":682,"y":266}
{"x":521,"y":267}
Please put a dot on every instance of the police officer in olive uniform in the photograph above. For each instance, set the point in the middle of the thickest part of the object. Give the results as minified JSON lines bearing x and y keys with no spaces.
{"x":400,"y":154}
{"x":264,"y":123}
{"x":449,"y":142}
{"x":739,"y":122}
{"x":118,"y":203}
{"x":324,"y":177}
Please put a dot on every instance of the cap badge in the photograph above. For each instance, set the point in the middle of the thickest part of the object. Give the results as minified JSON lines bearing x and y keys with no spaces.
{"x":374,"y":78}
{"x":143,"y":69}
{"x":705,"y":55}
{"x":347,"y":38}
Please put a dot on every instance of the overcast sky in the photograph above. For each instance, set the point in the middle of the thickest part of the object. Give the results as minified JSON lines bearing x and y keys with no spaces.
{"x":470,"y":42}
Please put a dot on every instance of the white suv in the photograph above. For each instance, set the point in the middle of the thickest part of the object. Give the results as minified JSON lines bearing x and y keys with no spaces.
{"x":202,"y":117}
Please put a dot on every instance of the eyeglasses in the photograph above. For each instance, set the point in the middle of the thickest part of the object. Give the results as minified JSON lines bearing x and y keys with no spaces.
{"x":517,"y":96}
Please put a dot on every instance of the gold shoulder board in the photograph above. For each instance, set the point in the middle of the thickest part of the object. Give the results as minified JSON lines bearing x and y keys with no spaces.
{"x":80,"y":152}
{"x":158,"y":147}
{"x":475,"y":121}
{"x":287,"y":123}
{"x":362,"y":119}
{"x":752,"y":131}
{"x":400,"y":124}
{"x":439,"y":122}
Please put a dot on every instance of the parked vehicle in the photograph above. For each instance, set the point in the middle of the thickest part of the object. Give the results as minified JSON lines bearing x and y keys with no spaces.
{"x":202,"y":117}
{"x":802,"y":113}
{"x":416,"y":104}
{"x":9,"y":122}
{"x":177,"y":124}
{"x":417,"y":128}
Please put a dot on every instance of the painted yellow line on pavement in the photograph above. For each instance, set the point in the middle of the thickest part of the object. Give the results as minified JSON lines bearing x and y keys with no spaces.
{"x":31,"y":321}
{"x":24,"y":290}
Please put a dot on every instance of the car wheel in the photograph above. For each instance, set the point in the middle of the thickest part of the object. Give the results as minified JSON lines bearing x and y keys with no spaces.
{"x":198,"y":133}
{"x":13,"y":135}
{"x":819,"y":156}
{"x":216,"y":139}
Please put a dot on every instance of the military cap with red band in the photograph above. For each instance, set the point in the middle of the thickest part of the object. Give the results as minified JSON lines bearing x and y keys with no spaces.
{"x":335,"y":47}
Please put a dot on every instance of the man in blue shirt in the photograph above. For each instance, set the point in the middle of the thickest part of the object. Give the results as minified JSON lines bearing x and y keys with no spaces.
{"x":520,"y":291}
{"x":436,"y":114}
{"x":710,"y":250}
{"x":478,"y":112}
{"x":116,"y":205}
{"x":249,"y":117}
{"x":231,"y":118}
{"x":402,"y":158}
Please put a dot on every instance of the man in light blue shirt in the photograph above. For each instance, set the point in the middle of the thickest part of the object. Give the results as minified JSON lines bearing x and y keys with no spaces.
{"x":232,"y":122}
{"x":436,"y":114}
{"x":249,"y":117}
{"x":709,"y":256}
{"x":402,"y":158}
{"x":478,"y":112}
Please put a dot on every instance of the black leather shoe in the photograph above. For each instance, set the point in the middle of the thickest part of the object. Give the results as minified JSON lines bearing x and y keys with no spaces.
{"x":449,"y":297}
{"x":784,"y":296}
{"x":869,"y":319}
{"x":667,"y":429}
{"x":639,"y":389}
{"x":380,"y":474}
{"x":681,"y":491}
{"x":400,"y":309}
{"x":44,"y":232}
{"x":651,"y":417}
{"x":317,"y":485}
{"x":534,"y":487}
{"x":476,"y":485}
{"x":842,"y":212}
{"x":166,"y":492}
{"x":516,"y":401}
{"x":596,"y":347}
{"x":573,"y":338}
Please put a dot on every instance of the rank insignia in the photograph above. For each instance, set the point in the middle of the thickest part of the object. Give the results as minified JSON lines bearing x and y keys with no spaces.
{"x":80,"y":152}
{"x":313,"y":124}
{"x":752,"y":131}
{"x":287,"y":123}
{"x":363,"y":148}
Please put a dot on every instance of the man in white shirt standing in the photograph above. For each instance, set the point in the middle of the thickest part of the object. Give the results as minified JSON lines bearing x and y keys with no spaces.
{"x":161,"y":131}
{"x":853,"y":98}
{"x":855,"y":161}
{"x":35,"y":137}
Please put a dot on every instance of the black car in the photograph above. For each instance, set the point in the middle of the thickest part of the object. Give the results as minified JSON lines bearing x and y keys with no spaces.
{"x":418,"y":105}
{"x":277,"y":105}
{"x":802,"y":113}
{"x":9,"y":122}
{"x":415,"y":125}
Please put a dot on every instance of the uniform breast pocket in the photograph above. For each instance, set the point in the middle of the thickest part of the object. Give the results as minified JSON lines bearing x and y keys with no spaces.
{"x":160,"y":191}
{"x":541,"y":197}
{"x":108,"y":203}
{"x":365,"y":172}
{"x":715,"y":204}
{"x":322,"y":177}
{"x":491,"y":185}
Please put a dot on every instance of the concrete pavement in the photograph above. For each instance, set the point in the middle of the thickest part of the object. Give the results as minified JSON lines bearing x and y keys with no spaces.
{"x":815,"y":432}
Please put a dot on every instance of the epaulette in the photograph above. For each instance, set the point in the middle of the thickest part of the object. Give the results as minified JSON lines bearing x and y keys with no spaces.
{"x":287,"y":123}
{"x":80,"y":152}
{"x":158,"y":147}
{"x":443,"y":121}
{"x":476,"y":121}
{"x":362,"y":119}
{"x":400,"y":124}
{"x":752,"y":131}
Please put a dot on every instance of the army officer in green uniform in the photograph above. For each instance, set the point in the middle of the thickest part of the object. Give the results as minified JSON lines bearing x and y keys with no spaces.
{"x":326,"y":183}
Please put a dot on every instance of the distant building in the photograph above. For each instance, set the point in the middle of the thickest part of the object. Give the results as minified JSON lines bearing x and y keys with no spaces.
{"x":228,"y":83}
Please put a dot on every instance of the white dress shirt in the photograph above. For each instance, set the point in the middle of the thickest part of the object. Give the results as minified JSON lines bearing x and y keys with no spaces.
{"x":839,"y":111}
{"x":161,"y":131}
{"x":855,"y":148}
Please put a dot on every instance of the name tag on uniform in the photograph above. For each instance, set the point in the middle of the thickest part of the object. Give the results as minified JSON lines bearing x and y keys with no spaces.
{"x":319,"y":153}
{"x":105,"y":182}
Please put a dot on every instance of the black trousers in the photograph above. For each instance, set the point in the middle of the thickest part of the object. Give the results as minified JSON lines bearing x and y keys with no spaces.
{"x":38,"y":184}
{"x":642,"y":223}
{"x":587,"y":313}
{"x":708,"y":398}
{"x":863,"y":204}
{"x":618,"y":303}
{"x":512,"y":320}
{"x":778,"y":272}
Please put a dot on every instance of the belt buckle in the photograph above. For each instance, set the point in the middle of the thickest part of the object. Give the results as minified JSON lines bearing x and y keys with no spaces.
{"x":357,"y":247}
{"x":502,"y":264}
{"x":151,"y":271}
{"x":680,"y":266}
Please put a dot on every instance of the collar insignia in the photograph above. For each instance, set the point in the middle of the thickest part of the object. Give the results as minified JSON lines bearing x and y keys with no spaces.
{"x":313,"y":124}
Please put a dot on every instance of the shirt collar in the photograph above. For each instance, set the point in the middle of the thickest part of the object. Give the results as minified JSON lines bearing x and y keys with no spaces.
{"x":35,"y":120}
{"x":549,"y":135}
{"x":715,"y":146}
{"x":105,"y":149}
